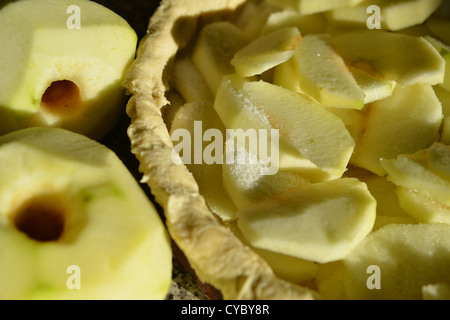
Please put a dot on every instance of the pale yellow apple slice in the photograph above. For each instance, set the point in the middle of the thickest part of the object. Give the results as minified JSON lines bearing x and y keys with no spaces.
{"x":422,"y":206}
{"x":402,"y":58}
{"x":374,"y":86}
{"x":393,"y":15}
{"x":388,"y":205}
{"x":287,"y":267}
{"x":305,"y":126}
{"x":305,"y":7}
{"x":444,"y":50}
{"x":253,"y":16}
{"x":392,"y":263}
{"x":319,"y":222}
{"x":307,"y":24}
{"x":246,"y":184}
{"x":72,"y":214}
{"x":324,"y":76}
{"x":439,"y":27}
{"x":215,"y":46}
{"x":266,"y":52}
{"x":54,"y":75}
{"x":406,"y":122}
{"x":191,"y":122}
{"x":444,"y":96}
{"x":418,"y":172}
{"x":286,"y":75}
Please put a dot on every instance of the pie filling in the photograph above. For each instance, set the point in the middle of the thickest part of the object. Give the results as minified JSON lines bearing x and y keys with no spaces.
{"x":318,"y":133}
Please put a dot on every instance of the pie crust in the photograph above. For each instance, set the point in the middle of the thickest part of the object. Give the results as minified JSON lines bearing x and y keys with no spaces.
{"x":213,"y":251}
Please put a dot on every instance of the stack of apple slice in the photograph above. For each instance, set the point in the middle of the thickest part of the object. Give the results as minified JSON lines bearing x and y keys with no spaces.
{"x":362,"y":171}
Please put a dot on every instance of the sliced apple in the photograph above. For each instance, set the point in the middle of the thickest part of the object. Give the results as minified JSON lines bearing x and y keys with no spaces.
{"x":307,"y":24}
{"x":374,"y":86}
{"x":304,"y":126}
{"x":444,"y":50}
{"x":286,"y":267}
{"x":319,"y":222}
{"x":286,"y":75}
{"x":266,"y":52}
{"x":72,"y":214}
{"x":402,"y":58}
{"x":305,"y":7}
{"x":422,"y":206}
{"x":253,"y":16}
{"x":324,"y":75}
{"x":394,"y":15}
{"x":208,"y":175}
{"x":406,"y":122}
{"x":246,"y":185}
{"x":61,"y":77}
{"x":399,"y":259}
{"x":425,"y":170}
{"x":216,"y":45}
{"x":439,"y":28}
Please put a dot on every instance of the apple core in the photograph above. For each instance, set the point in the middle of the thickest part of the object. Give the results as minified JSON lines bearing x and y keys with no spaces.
{"x":62,"y":97}
{"x":41,"y":218}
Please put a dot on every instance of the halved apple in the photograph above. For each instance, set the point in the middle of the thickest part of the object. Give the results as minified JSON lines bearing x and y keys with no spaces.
{"x":53,"y":75}
{"x":75,"y":224}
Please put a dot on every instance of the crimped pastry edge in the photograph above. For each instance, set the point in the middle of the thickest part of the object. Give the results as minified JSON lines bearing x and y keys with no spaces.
{"x":215,"y":254}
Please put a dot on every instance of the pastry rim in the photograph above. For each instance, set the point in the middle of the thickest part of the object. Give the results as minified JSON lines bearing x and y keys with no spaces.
{"x":213,"y":251}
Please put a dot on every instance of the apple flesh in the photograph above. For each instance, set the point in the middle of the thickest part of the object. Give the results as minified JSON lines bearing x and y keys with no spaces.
{"x":408,"y":257}
{"x":402,"y":58}
{"x":284,"y":266}
{"x":444,"y":51}
{"x":67,"y":201}
{"x":304,"y":126}
{"x":319,"y":222}
{"x":308,"y":24}
{"x":324,"y":75}
{"x":395,"y":15}
{"x":388,"y":132}
{"x":425,"y":170}
{"x":306,"y":7}
{"x":266,"y":52}
{"x":61,"y":77}
{"x":216,"y":45}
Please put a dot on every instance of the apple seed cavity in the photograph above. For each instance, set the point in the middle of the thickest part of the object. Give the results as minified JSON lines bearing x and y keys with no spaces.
{"x":62,"y":97}
{"x":41,"y":218}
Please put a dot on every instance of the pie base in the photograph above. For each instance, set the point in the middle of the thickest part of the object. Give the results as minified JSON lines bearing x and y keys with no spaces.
{"x":212,"y":250}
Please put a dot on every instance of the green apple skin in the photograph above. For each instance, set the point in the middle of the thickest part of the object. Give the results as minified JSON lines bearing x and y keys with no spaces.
{"x":110,"y":230}
{"x":39,"y":48}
